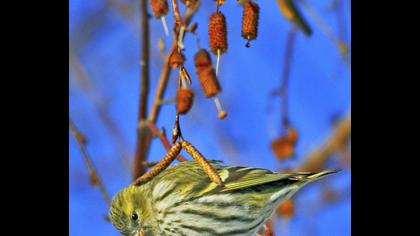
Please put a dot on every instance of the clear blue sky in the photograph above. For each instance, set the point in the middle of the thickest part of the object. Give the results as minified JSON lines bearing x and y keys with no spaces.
{"x":108,"y":47}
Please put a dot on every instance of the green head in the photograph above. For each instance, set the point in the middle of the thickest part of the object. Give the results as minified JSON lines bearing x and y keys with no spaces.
{"x":127,"y":210}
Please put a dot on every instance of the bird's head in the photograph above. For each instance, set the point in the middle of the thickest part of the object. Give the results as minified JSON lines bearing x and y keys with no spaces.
{"x":127,"y":211}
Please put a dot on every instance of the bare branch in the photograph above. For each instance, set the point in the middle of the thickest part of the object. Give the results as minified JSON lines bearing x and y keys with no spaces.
{"x":81,"y":142}
{"x":333,"y":144}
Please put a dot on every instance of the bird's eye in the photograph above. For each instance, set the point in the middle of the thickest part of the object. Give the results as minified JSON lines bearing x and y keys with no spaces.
{"x":134,"y":216}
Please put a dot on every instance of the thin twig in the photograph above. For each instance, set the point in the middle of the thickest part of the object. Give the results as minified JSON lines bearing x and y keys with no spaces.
{"x":288,"y":56}
{"x":142,"y":134}
{"x":94,"y":95}
{"x":155,"y":131}
{"x":177,"y":14}
{"x":326,"y":29}
{"x":334,"y":143}
{"x":77,"y":134}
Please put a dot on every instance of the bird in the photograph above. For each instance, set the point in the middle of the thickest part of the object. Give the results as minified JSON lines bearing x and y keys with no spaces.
{"x":182,"y":200}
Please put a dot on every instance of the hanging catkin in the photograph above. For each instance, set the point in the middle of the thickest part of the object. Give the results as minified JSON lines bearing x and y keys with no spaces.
{"x":250,"y":20}
{"x":217,"y":33}
{"x":184,"y":100}
{"x":206,"y":74}
{"x":159,"y":7}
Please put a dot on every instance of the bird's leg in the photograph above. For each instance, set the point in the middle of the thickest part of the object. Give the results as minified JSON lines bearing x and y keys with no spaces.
{"x":268,"y":230}
{"x":207,"y":167}
{"x":161,"y":165}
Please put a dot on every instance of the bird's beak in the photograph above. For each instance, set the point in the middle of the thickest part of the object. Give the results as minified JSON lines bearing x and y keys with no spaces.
{"x":140,"y":232}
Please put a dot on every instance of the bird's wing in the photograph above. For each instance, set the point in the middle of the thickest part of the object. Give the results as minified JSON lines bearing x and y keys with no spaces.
{"x":189,"y":179}
{"x":245,"y":177}
{"x":236,"y":178}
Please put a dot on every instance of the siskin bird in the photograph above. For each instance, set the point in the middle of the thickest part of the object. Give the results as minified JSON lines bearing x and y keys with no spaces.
{"x":182,"y":200}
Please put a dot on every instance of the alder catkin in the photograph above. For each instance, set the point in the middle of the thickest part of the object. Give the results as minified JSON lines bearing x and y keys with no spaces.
{"x":184,"y":100}
{"x":286,"y":209}
{"x":159,"y":7}
{"x":250,"y":16}
{"x":284,"y":147}
{"x":217,"y":33}
{"x":206,"y":73}
{"x":189,"y":2}
{"x":220,"y":2}
{"x":176,"y":59}
{"x":202,"y":59}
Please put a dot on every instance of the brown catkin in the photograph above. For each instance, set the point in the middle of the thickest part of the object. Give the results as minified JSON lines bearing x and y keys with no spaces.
{"x":198,"y":157}
{"x":217,"y":33}
{"x":159,"y":7}
{"x":206,"y":73}
{"x":292,"y":135}
{"x":250,"y":20}
{"x":202,"y":59}
{"x":176,"y":59}
{"x":189,"y":2}
{"x":282,"y":148}
{"x":286,"y":209}
{"x":220,"y":2}
{"x":184,"y":100}
{"x":161,"y":165}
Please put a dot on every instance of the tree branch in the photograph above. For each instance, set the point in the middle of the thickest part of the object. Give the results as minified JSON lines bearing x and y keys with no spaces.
{"x":79,"y":137}
{"x":142,"y":134}
{"x":336,"y":142}
{"x":140,"y":157}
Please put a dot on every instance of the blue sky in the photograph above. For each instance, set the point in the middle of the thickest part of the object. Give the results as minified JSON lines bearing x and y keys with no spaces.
{"x":108,"y":48}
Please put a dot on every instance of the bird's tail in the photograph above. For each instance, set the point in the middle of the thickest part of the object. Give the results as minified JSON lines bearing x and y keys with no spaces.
{"x":297,"y":181}
{"x":316,"y":176}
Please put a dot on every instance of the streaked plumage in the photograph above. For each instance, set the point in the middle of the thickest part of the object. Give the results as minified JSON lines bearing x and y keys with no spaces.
{"x":183,"y":201}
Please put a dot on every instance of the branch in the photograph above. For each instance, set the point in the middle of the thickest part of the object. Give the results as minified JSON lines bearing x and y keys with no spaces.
{"x":142,"y":134}
{"x":341,"y":45}
{"x":79,"y":137}
{"x":144,"y":63}
{"x":93,"y":94}
{"x":155,"y":131}
{"x":290,"y":42}
{"x":154,"y":112}
{"x":336,"y":142}
{"x":177,"y":14}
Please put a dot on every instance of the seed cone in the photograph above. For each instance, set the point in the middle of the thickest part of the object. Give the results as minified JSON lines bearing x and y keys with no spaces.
{"x":206,"y":73}
{"x":176,"y":59}
{"x":250,"y":16}
{"x":159,"y":7}
{"x":184,"y":100}
{"x":218,"y":33}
